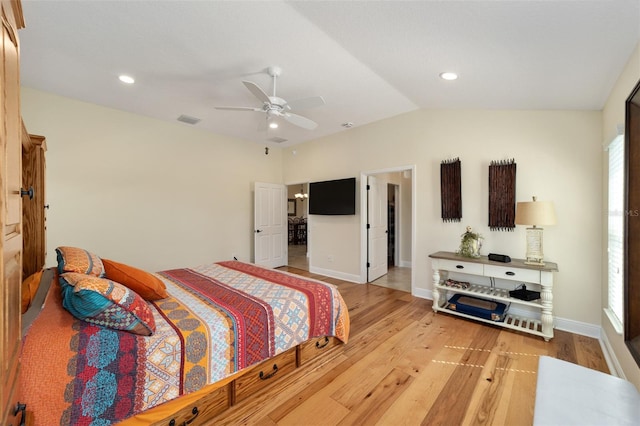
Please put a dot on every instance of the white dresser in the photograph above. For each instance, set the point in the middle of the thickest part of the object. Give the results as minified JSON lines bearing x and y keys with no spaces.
{"x":514,"y":274}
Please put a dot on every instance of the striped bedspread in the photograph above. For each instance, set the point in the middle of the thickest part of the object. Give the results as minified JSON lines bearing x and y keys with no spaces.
{"x":218,"y":319}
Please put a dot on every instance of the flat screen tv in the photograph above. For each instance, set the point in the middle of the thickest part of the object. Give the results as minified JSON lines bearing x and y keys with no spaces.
{"x":333,"y":197}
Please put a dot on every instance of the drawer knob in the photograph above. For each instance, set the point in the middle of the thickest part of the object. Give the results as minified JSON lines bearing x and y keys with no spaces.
{"x":269,"y":375}
{"x":460,"y":266}
{"x":320,"y":344}
{"x":195,"y":413}
{"x":510,"y":273}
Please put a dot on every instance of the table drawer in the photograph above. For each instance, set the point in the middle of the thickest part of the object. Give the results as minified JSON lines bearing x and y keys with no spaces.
{"x":506,"y":273}
{"x":315,"y":347}
{"x":264,"y":374}
{"x":459,"y":266}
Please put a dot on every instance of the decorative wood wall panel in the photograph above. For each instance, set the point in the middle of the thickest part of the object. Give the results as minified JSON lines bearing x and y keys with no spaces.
{"x":451,"y":190}
{"x":502,"y":195}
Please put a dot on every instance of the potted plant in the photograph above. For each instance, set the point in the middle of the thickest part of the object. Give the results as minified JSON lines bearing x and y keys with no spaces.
{"x":470,"y":244}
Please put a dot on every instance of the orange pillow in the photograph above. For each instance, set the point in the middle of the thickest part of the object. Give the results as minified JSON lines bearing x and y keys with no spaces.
{"x":145,"y":284}
{"x":29,"y":289}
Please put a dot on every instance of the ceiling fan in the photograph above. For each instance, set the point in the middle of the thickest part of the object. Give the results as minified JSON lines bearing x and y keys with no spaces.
{"x":275,"y":107}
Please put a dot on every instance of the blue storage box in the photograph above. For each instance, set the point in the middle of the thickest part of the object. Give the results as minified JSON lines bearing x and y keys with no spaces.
{"x":481,"y":308}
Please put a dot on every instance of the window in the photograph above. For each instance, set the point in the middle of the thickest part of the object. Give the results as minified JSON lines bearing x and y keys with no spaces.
{"x":615,"y":248}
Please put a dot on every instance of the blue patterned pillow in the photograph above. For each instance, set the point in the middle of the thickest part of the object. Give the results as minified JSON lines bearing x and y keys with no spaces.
{"x":106,"y":303}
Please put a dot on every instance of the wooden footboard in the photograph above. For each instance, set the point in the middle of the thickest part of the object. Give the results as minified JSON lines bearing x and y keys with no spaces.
{"x":244,"y":384}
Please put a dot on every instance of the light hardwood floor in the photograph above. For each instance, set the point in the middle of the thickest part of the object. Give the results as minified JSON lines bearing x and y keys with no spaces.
{"x":398,"y":278}
{"x":406,"y":365}
{"x":298,"y":257}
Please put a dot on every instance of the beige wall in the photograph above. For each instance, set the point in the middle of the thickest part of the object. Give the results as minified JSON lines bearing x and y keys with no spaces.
{"x":153,"y":194}
{"x":162,"y":195}
{"x":614,"y":114}
{"x":558,"y":156}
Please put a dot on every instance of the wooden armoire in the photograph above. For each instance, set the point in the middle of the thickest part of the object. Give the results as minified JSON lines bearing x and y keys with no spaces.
{"x":33,"y":204}
{"x":10,"y":209}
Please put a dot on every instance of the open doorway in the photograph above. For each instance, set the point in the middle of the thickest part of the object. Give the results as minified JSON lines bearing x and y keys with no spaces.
{"x":298,"y":233}
{"x":389,"y":205}
{"x":393,"y":250}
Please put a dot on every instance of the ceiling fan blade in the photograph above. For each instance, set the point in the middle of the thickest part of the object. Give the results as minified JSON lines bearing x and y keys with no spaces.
{"x":230,"y":108}
{"x":306,"y":103}
{"x":300,"y":121}
{"x":257,"y":91}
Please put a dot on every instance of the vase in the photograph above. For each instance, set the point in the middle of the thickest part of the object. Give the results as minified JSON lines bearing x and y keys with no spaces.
{"x":476,"y":245}
{"x":470,"y":247}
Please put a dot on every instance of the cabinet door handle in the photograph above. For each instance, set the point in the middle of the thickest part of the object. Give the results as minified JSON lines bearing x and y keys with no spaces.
{"x":28,"y":192}
{"x":22,"y":410}
{"x":459,"y":266}
{"x":510,"y":273}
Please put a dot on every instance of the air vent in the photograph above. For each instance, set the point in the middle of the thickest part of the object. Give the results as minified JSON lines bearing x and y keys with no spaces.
{"x":187,"y":119}
{"x":277,"y":139}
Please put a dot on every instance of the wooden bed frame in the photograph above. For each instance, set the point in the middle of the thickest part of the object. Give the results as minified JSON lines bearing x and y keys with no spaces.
{"x":224,"y":395}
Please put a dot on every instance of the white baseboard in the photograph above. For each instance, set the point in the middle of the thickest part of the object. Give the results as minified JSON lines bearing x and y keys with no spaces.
{"x":422,"y":293}
{"x":336,"y":274}
{"x":405,"y":264}
{"x":577,"y":327}
{"x":610,"y":356}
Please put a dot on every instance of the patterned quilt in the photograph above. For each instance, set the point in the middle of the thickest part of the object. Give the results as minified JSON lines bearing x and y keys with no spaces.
{"x":218,"y":319}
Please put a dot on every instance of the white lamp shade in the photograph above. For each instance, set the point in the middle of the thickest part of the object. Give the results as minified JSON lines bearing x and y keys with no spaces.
{"x":535,"y":213}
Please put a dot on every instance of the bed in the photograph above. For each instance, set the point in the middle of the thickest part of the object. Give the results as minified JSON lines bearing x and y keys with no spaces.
{"x":201,"y":339}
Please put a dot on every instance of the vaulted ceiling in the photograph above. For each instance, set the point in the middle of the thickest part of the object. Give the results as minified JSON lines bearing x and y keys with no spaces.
{"x":369,"y":60}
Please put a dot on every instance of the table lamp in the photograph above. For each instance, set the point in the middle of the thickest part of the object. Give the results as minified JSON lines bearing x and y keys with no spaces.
{"x":534,"y":213}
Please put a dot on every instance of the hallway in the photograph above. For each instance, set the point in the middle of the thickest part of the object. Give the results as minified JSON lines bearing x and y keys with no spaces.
{"x":298,"y":256}
{"x":397,"y":278}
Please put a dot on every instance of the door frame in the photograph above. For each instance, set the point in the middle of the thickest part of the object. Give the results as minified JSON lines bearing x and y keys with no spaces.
{"x":363,"y":219}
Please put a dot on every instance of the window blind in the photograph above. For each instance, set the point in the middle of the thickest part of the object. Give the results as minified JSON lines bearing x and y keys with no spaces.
{"x":616,"y":228}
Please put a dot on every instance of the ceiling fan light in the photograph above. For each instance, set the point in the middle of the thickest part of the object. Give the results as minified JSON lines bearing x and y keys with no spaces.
{"x":273,"y":125}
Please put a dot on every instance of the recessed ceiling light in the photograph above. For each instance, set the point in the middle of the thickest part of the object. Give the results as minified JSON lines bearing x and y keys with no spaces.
{"x":126,"y":79}
{"x":448,"y":76}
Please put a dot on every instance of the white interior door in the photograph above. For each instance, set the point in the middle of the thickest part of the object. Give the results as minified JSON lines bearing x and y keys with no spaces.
{"x":270,"y":225}
{"x":377,"y":227}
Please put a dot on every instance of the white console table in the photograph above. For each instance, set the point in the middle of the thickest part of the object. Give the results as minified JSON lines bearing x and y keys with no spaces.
{"x":445,"y":262}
